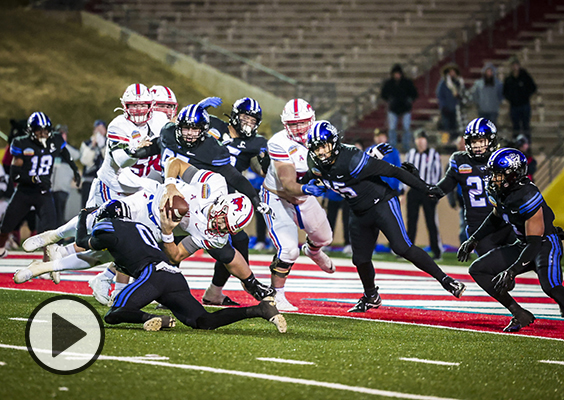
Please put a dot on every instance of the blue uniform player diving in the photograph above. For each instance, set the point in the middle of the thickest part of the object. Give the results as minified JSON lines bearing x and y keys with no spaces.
{"x":374,"y":207}
{"x":517,"y":202}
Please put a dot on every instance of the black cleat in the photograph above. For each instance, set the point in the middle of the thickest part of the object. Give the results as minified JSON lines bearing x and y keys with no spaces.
{"x":259,"y":291}
{"x":225,"y":302}
{"x":453,"y":286}
{"x":269,"y":312}
{"x":366,"y":303}
{"x":522,"y":319}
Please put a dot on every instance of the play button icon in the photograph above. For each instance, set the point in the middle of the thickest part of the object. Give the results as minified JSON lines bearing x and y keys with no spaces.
{"x":65,"y":335}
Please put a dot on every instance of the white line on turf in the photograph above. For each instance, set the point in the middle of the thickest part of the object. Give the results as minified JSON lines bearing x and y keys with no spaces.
{"x":2,"y":363}
{"x":281,"y":360}
{"x":552,"y":362}
{"x":419,"y":360}
{"x":26,"y":319}
{"x":284,"y":379}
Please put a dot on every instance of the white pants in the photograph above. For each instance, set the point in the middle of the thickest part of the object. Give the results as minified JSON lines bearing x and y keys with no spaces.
{"x":100,"y":193}
{"x":283,"y":228}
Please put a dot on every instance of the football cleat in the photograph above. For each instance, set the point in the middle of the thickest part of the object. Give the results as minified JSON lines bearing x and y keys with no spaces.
{"x":55,"y":277}
{"x":159,"y":322}
{"x":522,"y":319}
{"x":269,"y":312}
{"x":225,"y":302}
{"x":41,"y":240}
{"x":453,"y":286}
{"x":113,"y":297}
{"x":3,"y":253}
{"x":320,"y":258}
{"x":55,"y":252}
{"x":366,"y":303}
{"x":282,"y":303}
{"x":259,"y":291}
{"x":101,"y":287}
{"x":213,"y":297}
{"x":34,"y":269}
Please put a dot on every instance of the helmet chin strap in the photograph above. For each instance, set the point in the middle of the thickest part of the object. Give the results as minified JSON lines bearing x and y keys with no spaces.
{"x":43,"y":142}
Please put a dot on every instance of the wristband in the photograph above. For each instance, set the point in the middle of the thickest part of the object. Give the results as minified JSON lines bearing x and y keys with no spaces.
{"x":170,"y":181}
{"x":168,"y":238}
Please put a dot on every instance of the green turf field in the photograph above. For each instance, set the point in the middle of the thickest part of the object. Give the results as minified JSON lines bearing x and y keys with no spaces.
{"x":357,"y":354}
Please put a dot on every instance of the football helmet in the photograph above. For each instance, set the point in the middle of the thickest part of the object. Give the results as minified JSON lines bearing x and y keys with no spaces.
{"x":36,"y":122}
{"x":165,"y":100}
{"x":230,"y":214}
{"x":323,"y":143}
{"x":137,"y":94}
{"x":113,"y":209}
{"x":192,"y":117}
{"x":246,"y":106}
{"x":298,"y":117}
{"x":480,"y":128}
{"x":505,"y":168}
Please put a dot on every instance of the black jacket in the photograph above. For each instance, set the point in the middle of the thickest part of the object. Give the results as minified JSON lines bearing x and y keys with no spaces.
{"x":400,"y":95}
{"x":519,"y":90}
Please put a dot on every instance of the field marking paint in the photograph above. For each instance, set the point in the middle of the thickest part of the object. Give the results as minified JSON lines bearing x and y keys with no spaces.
{"x":419,"y":360}
{"x":2,"y":363}
{"x":281,"y":360}
{"x":26,"y":319}
{"x":552,"y":362}
{"x":284,"y":379}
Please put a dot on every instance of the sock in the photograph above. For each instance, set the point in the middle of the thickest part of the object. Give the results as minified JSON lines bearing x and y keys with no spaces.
{"x":68,"y":229}
{"x":249,"y":282}
{"x":280,"y":291}
{"x":70,"y":249}
{"x":370,"y":292}
{"x":108,"y":274}
{"x":120,"y":286}
{"x":71,"y":262}
{"x":213,"y":291}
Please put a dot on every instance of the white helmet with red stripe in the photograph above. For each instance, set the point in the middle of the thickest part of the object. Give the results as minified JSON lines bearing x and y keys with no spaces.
{"x":298,"y":117}
{"x":165,"y":100}
{"x":137,"y":103}
{"x":230,"y":214}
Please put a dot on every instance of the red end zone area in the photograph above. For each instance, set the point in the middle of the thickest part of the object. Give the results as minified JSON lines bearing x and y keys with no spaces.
{"x":409,"y":296}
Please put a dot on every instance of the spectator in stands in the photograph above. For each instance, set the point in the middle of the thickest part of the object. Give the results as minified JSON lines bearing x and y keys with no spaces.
{"x":92,"y":152}
{"x":522,"y":144}
{"x":487,"y":93}
{"x":518,"y":88}
{"x":63,"y":178}
{"x":450,"y":93}
{"x":393,"y":158}
{"x":400,"y":93}
{"x":428,"y":162}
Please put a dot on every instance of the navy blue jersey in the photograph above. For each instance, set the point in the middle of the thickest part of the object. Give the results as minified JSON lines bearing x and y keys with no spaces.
{"x":37,"y":160}
{"x":132,"y":245}
{"x":465,"y":171}
{"x":520,"y":204}
{"x":357,"y":177}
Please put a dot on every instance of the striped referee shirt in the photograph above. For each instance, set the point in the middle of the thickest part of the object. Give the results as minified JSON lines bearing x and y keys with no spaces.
{"x":428,"y":163}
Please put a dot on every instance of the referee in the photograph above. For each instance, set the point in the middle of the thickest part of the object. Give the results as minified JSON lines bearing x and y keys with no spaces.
{"x":428,"y":162}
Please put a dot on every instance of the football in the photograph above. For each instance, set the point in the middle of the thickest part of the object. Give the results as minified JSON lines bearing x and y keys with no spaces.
{"x":179,"y":208}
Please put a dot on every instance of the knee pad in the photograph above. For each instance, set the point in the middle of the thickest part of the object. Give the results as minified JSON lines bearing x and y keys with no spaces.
{"x":110,"y":317}
{"x":280,"y":268}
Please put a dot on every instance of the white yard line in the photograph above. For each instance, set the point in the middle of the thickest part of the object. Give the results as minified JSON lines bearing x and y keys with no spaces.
{"x":281,"y":360}
{"x":552,"y":362}
{"x":27,"y":319}
{"x":284,"y":379}
{"x":419,"y":360}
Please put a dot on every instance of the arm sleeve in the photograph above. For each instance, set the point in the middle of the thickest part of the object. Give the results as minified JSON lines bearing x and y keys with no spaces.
{"x":122,"y":158}
{"x":188,"y":175}
{"x":492,"y":223}
{"x":189,"y":244}
{"x":376,"y":167}
{"x":238,"y":182}
{"x":66,"y":157}
{"x":152,"y":150}
{"x":82,"y":236}
{"x":18,"y":174}
{"x":449,"y":181}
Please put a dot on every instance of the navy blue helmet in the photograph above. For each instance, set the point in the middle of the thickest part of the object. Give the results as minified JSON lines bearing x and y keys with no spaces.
{"x":36,"y":122}
{"x":320,"y":134}
{"x":195,"y":117}
{"x":248,"y":107}
{"x":480,"y":128}
{"x":113,"y":209}
{"x":506,"y":168}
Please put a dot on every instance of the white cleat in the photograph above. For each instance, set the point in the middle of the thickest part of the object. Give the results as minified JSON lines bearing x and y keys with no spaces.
{"x":55,"y":277}
{"x":34,"y":269}
{"x":22,"y":275}
{"x":157,"y":323}
{"x":55,"y":252}
{"x":320,"y":258}
{"x":113,"y":297}
{"x":282,"y":303}
{"x":101,"y":287}
{"x":41,"y":240}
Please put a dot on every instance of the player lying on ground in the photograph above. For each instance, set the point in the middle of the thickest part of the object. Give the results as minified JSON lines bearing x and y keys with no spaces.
{"x":137,"y":254}
{"x":516,"y":201}
{"x":374,"y":207}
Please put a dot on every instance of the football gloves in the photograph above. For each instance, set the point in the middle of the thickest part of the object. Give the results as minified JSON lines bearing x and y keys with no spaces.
{"x":210,"y":102}
{"x":504,"y":281}
{"x":409,"y":167}
{"x":312,"y":189}
{"x":435,"y":192}
{"x":466,"y":249}
{"x":380,"y":150}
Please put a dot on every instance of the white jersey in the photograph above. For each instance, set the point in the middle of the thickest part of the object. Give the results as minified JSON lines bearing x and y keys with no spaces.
{"x":283,"y":149}
{"x":123,"y":133}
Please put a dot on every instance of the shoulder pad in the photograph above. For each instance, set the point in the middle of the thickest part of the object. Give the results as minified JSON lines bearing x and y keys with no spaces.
{"x":104,"y":226}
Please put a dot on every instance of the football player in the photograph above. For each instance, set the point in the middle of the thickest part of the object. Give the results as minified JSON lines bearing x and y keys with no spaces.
{"x":247,"y":148}
{"x":292,"y":203}
{"x":32,"y":168}
{"x":468,"y":169}
{"x":374,"y":207}
{"x":165,"y":101}
{"x":136,"y":254}
{"x":517,"y":202}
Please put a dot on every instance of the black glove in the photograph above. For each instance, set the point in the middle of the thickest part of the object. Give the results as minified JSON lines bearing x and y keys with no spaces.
{"x":466,"y":249}
{"x":77,"y":178}
{"x":42,"y":184}
{"x":560,"y":232}
{"x":409,"y":167}
{"x":435,"y":192}
{"x":264,"y":161}
{"x":504,"y":281}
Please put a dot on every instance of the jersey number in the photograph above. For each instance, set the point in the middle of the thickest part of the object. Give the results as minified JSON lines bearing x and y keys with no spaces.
{"x":476,"y":191}
{"x":144,"y":166}
{"x":41,"y":167}
{"x":340,"y":188}
{"x":147,"y":236}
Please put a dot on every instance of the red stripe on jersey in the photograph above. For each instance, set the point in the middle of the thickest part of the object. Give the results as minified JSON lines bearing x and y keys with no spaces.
{"x":117,"y":137}
{"x":207,"y":244}
{"x":205,"y":177}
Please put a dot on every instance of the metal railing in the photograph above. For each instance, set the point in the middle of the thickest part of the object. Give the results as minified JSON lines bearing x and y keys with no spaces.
{"x":553,"y":164}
